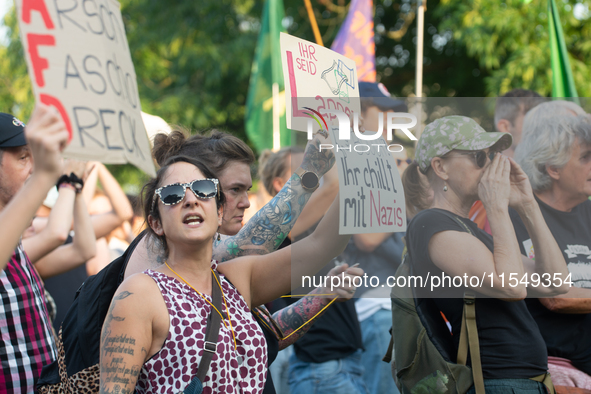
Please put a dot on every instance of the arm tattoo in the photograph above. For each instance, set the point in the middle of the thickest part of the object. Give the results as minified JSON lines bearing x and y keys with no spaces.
{"x":295,"y":315}
{"x":115,"y":371}
{"x":316,"y":160}
{"x":110,"y":317}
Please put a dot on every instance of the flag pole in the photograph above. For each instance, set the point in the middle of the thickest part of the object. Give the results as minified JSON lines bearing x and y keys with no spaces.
{"x":422,"y":7}
{"x":276,"y":126}
{"x":313,"y":22}
{"x":420,"y":41}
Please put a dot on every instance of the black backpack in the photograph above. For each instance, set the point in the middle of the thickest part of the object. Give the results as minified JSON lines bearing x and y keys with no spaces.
{"x":77,"y":367}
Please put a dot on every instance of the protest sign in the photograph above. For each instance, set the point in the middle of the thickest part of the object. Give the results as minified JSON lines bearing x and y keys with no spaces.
{"x":79,"y":62}
{"x":322,"y":85}
{"x":371,"y":194}
{"x":316,"y":78}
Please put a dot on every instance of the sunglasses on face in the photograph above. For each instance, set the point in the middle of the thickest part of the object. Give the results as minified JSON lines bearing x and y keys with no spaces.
{"x":480,"y":156}
{"x":400,"y":161}
{"x":175,"y":193}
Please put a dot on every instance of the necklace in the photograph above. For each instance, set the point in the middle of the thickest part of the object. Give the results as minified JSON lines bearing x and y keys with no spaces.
{"x":213,"y":306}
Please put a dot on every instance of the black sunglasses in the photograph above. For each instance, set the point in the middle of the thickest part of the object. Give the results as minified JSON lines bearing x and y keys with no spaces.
{"x":480,"y":156}
{"x":175,"y":193}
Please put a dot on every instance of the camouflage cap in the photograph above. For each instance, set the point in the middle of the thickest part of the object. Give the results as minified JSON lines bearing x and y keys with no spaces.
{"x":456,"y":132}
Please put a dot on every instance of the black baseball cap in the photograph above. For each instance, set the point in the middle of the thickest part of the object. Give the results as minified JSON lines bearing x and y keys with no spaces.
{"x":380,"y":96}
{"x":12,"y":131}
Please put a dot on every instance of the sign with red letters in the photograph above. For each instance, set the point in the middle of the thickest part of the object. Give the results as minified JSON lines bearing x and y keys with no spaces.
{"x":79,"y":63}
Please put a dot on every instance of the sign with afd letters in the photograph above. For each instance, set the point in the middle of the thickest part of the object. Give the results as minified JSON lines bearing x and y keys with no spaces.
{"x":79,"y":63}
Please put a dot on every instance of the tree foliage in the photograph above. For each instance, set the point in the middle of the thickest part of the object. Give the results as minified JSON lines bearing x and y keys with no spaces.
{"x":193,"y":59}
{"x":510,"y":41}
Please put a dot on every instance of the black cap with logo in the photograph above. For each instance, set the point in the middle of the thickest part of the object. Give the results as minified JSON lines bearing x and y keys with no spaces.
{"x":12,"y":131}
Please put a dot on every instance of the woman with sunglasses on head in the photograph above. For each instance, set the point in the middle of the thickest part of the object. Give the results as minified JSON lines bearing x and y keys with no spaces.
{"x":462,"y":164}
{"x":152,"y":338}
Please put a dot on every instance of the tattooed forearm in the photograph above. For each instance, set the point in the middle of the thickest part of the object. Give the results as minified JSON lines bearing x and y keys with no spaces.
{"x":268,"y":228}
{"x":119,"y":372}
{"x":110,"y":316}
{"x":118,"y":344}
{"x":316,"y":160}
{"x":116,"y":390}
{"x":301,"y":313}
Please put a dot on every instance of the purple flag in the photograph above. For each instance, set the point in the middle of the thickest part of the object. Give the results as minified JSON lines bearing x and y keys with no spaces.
{"x":356,"y":39}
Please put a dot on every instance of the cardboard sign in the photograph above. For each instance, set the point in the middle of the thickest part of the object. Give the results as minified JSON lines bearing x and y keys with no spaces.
{"x":371,"y":194}
{"x":79,"y":62}
{"x":316,"y":78}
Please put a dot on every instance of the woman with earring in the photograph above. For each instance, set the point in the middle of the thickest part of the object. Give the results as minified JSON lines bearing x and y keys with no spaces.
{"x":153,"y":336}
{"x":462,"y":164}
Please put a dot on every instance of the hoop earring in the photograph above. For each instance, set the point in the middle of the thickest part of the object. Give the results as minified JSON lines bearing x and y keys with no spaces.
{"x":445,"y":188}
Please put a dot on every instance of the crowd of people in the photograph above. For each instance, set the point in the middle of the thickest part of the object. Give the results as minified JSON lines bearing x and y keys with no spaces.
{"x":173,"y":291}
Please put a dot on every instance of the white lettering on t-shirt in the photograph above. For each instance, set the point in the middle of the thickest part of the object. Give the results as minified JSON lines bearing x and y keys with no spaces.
{"x":573,"y":250}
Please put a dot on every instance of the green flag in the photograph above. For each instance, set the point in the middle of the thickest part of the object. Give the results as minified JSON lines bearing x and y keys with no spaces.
{"x":563,"y":83}
{"x":265,"y":105}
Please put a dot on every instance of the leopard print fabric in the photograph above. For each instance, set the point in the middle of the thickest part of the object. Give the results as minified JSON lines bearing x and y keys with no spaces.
{"x":85,"y":381}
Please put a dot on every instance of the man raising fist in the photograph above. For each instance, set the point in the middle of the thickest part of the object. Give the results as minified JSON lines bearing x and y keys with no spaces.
{"x":30,"y":164}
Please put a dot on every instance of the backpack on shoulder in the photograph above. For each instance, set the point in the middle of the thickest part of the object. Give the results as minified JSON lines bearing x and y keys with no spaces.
{"x":423,"y":345}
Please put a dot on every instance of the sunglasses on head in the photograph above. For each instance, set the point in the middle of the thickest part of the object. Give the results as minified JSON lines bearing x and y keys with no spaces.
{"x":175,"y":193}
{"x":480,"y":156}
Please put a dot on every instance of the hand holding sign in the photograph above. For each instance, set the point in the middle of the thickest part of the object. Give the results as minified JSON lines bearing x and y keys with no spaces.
{"x":47,"y":137}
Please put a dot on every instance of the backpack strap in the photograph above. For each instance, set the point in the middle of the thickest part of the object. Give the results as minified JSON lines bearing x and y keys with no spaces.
{"x":469,"y":331}
{"x":388,"y":356}
{"x":211,"y":338}
{"x":469,"y":339}
{"x":547,"y":381}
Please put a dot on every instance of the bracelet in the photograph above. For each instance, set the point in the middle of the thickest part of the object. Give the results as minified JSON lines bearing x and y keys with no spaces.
{"x":71,"y":180}
{"x":76,"y":182}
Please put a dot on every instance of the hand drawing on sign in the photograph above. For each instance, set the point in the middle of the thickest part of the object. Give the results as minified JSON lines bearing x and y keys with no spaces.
{"x":339,"y":80}
{"x":348,"y":73}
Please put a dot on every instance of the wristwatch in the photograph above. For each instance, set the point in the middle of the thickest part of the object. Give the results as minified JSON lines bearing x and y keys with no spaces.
{"x":309,"y":179}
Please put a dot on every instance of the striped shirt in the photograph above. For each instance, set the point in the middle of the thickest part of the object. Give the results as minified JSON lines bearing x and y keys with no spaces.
{"x":27,"y":342}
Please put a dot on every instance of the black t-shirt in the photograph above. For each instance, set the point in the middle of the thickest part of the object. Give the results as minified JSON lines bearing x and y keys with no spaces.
{"x":566,"y":335}
{"x":511,"y":346}
{"x":334,"y":335}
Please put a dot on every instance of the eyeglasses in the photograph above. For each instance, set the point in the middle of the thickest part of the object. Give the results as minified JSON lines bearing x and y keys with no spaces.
{"x":400,"y":161}
{"x":480,"y":156}
{"x":174,"y":193}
